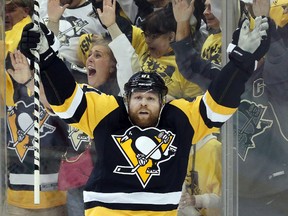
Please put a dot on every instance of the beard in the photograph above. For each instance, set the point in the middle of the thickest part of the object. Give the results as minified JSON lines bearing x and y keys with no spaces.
{"x":150,"y":120}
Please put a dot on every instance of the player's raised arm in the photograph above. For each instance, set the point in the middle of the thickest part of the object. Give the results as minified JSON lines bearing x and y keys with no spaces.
{"x":57,"y":80}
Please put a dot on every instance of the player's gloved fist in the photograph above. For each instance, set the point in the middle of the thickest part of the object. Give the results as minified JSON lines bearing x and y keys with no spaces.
{"x":33,"y":40}
{"x":249,"y":41}
{"x":247,"y":46}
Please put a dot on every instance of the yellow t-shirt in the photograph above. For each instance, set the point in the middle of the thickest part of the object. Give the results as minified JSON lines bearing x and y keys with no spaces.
{"x":166,"y":66}
{"x":209,"y":167}
{"x":13,"y":36}
{"x":211,"y":49}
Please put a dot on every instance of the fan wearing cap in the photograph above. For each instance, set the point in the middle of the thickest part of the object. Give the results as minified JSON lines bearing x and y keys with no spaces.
{"x":17,"y":15}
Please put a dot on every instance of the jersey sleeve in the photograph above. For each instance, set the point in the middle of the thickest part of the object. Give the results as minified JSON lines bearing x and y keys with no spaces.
{"x":81,"y":106}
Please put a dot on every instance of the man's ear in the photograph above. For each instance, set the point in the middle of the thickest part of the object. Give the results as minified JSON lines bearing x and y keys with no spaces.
{"x":27,"y":11}
{"x":172,"y":36}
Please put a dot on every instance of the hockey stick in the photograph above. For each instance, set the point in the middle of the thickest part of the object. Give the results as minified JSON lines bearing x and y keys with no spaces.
{"x":21,"y":137}
{"x":36,"y":20}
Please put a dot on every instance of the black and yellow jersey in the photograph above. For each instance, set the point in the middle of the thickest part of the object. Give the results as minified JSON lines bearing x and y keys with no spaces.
{"x":56,"y":137}
{"x":20,"y":138}
{"x":20,"y":151}
{"x":119,"y":184}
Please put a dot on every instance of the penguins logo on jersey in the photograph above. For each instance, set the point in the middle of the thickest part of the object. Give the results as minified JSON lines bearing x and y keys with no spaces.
{"x":144,"y":150}
{"x":21,"y":127}
{"x":251,"y":124}
{"x":77,"y":137}
{"x":73,"y":28}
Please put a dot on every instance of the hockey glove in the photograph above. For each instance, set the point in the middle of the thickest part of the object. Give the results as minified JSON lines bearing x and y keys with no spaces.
{"x":41,"y":41}
{"x":248,"y":47}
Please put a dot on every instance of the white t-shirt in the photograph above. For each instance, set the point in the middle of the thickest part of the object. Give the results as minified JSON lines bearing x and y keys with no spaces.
{"x":73,"y":23}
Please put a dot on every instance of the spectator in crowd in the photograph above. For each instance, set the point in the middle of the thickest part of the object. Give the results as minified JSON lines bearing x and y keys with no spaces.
{"x":211,"y":49}
{"x":68,"y":21}
{"x":20,"y":150}
{"x":152,"y":45}
{"x":17,"y":15}
{"x":201,"y":192}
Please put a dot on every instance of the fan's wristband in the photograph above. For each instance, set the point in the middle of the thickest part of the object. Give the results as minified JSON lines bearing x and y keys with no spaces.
{"x":29,"y":80}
